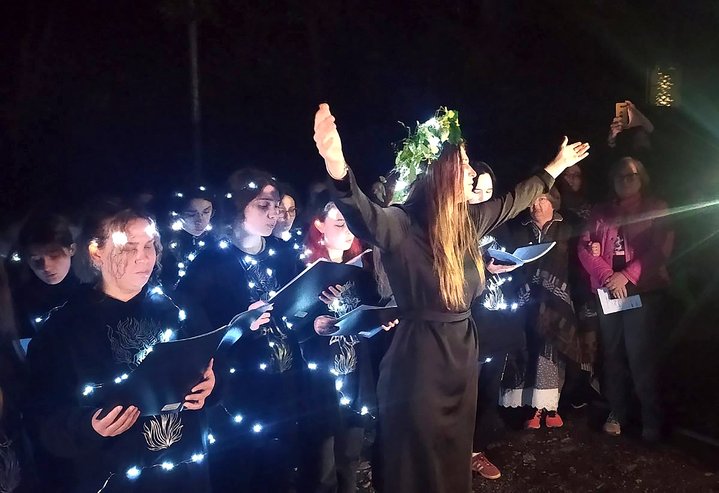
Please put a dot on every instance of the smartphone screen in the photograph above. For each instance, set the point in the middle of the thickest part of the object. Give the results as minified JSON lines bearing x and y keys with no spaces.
{"x":620,"y":111}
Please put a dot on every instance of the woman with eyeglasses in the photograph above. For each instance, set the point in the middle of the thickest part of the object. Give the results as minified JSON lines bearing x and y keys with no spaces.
{"x":635,"y":244}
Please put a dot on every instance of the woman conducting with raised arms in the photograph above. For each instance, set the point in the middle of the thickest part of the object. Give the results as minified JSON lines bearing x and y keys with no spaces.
{"x":428,"y":378}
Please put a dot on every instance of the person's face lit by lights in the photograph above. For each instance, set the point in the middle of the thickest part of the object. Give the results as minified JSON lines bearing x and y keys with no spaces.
{"x":286,"y":215}
{"x":337,"y":235}
{"x":127,"y":258}
{"x":627,"y":181}
{"x":196,"y":216}
{"x":260,"y":215}
{"x":468,"y":174}
{"x":572,"y":176}
{"x":50,"y":263}
{"x":483,"y":189}
{"x":541,"y":209}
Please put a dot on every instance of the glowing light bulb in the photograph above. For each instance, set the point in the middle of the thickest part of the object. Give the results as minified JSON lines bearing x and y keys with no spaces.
{"x":269,"y":272}
{"x":286,"y":235}
{"x":224,"y":244}
{"x":344,"y":401}
{"x":167,"y":335}
{"x":252,"y":184}
{"x":38,"y":320}
{"x":296,"y":247}
{"x":133,"y":473}
{"x":180,"y":265}
{"x":209,"y":227}
{"x":228,"y":195}
{"x":288,"y":324}
{"x":15,"y":257}
{"x":89,"y":389}
{"x":251,"y":284}
{"x":167,"y":466}
{"x":338,"y":384}
{"x":118,"y":380}
{"x":257,"y":427}
{"x":119,"y":238}
{"x":197,"y":458}
{"x":177,"y":225}
{"x":182,"y":315}
{"x":272,"y":293}
{"x":181,"y":273}
{"x":232,"y":370}
{"x":488,"y":360}
{"x":202,"y":188}
{"x":364,"y":410}
{"x":124,"y":376}
{"x":201,"y":244}
{"x":263,"y":366}
{"x":173,"y":245}
{"x":271,"y":252}
{"x":272,"y":344}
{"x":191,"y":256}
{"x":157,"y":290}
{"x":179,"y":194}
{"x":312,"y":366}
{"x":211,"y":438}
{"x":515,"y":306}
{"x":238,"y":418}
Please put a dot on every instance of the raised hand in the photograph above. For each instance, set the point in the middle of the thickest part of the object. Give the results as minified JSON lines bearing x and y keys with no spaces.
{"x":195,"y":400}
{"x":328,"y":142}
{"x":568,"y":155}
{"x":116,"y":422}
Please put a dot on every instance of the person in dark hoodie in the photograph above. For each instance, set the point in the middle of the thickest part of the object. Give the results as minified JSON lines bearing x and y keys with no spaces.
{"x":259,"y":382}
{"x":43,"y":280}
{"x":104,"y":331}
{"x":499,"y":327}
{"x":190,"y":232}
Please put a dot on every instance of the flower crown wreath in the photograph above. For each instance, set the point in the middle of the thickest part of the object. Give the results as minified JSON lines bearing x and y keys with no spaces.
{"x":422,"y":147}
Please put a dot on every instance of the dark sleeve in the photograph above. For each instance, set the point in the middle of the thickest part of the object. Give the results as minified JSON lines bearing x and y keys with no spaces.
{"x":201,"y":287}
{"x":55,"y":417}
{"x":385,"y":227}
{"x":488,"y":215}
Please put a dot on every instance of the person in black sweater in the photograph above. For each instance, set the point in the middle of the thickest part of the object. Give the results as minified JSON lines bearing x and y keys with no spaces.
{"x":43,"y":279}
{"x":427,"y":391}
{"x":260,"y":380}
{"x":342,"y":380}
{"x":104,"y":331}
{"x":499,"y":326}
{"x":190,"y":232}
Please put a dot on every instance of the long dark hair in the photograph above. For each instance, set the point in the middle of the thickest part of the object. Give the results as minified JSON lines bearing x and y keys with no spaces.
{"x":452,"y":234}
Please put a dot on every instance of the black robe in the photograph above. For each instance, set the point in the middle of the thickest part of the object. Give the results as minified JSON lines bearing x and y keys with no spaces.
{"x":427,"y":390}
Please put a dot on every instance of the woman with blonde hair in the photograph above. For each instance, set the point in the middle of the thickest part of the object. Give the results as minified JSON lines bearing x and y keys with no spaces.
{"x":427,"y":387}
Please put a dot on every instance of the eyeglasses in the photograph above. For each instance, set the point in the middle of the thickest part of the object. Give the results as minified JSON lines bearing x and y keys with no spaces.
{"x":292,"y":211}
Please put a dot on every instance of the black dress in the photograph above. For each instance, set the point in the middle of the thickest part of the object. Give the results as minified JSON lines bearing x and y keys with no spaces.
{"x":427,"y":386}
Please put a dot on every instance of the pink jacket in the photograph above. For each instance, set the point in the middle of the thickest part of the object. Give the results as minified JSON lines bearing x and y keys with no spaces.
{"x":647,"y":242}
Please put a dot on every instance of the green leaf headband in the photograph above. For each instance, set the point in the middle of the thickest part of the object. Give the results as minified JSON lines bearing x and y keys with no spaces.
{"x":422,"y":147}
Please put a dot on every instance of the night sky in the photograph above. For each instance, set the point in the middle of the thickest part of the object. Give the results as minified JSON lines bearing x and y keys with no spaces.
{"x":95,"y":95}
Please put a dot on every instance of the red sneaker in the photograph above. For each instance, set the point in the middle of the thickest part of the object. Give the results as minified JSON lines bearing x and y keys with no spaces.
{"x":536,"y":422}
{"x":484,"y":467}
{"x":553,"y":420}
